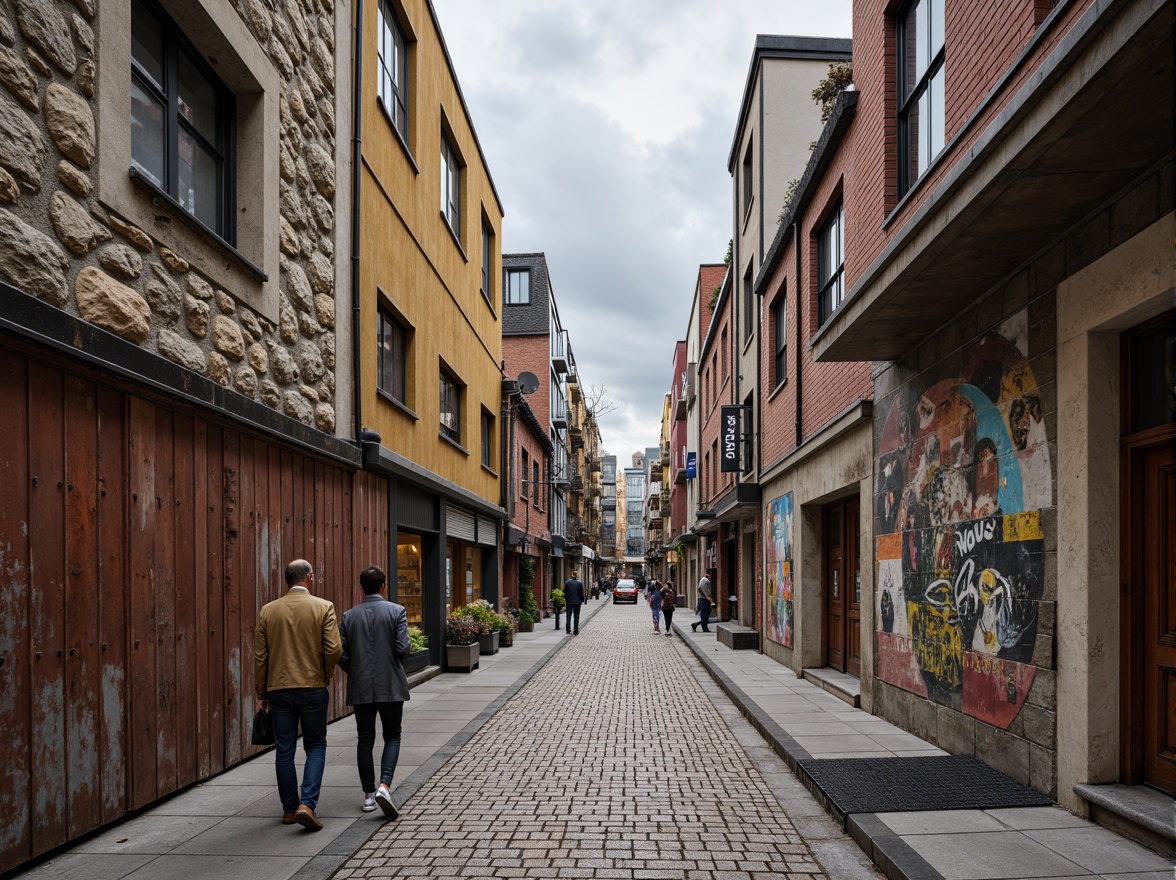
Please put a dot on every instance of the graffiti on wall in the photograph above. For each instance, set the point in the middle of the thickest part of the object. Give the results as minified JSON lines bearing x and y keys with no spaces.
{"x":779,"y":565}
{"x":963,"y":473}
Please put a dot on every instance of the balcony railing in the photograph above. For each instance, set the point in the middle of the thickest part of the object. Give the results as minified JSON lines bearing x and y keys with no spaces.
{"x":559,"y":351}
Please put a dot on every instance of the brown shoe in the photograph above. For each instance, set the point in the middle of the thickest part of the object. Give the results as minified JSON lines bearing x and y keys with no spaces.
{"x":288,"y":818}
{"x":307,"y":819}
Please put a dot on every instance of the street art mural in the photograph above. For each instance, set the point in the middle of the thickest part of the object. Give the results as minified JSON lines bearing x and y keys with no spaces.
{"x":964,"y":471}
{"x":779,"y":583}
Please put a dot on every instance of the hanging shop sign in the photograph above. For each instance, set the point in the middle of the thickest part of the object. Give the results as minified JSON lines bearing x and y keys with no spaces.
{"x":730,"y":439}
{"x":691,"y":465}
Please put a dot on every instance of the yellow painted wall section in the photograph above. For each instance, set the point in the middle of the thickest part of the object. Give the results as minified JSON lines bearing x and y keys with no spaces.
{"x":411,"y":261}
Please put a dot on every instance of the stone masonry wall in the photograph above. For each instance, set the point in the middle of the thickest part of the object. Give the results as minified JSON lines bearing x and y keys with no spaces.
{"x":57,"y":242}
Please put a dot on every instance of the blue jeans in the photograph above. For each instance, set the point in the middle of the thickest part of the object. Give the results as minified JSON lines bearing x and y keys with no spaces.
{"x":288,"y":708}
{"x":391,"y":715}
{"x":704,"y":613}
{"x":573,"y":608}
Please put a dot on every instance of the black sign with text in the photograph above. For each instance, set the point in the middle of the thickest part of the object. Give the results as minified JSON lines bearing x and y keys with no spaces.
{"x":730,"y":439}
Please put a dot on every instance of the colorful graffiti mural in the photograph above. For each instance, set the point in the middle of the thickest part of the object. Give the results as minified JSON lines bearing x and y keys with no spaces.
{"x":963,"y":473}
{"x":779,"y":582}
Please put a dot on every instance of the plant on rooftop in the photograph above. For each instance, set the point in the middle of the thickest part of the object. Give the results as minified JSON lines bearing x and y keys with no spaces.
{"x":839,"y":79}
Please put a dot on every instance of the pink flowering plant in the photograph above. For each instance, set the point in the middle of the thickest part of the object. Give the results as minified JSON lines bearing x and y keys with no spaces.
{"x":461,"y":630}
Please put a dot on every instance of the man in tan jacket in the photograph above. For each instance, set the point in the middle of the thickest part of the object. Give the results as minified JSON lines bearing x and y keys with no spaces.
{"x":295,"y":651}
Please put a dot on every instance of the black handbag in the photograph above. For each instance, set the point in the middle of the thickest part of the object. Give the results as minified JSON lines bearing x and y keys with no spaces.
{"x":263,"y":729}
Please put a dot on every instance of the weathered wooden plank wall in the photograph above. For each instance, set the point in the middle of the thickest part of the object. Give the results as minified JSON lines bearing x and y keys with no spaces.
{"x":138,"y":541}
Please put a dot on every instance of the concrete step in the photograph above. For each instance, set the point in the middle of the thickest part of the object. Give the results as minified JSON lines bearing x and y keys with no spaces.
{"x":839,"y":684}
{"x":1136,"y":812}
{"x":738,"y":637}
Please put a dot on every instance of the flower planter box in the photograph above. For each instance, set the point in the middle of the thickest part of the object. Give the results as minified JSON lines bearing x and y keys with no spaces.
{"x":506,"y":640}
{"x":415,"y":662}
{"x":489,"y":642}
{"x":462,"y":656}
{"x":527,"y":627}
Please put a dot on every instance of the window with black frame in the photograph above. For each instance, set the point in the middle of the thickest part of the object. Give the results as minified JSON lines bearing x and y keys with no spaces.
{"x":393,"y":62}
{"x":525,"y":475}
{"x":518,"y":287}
{"x":182,"y":121}
{"x":749,"y":307}
{"x":392,"y":369}
{"x":450,"y":401}
{"x":780,"y":342}
{"x":450,"y":186}
{"x":487,"y":258}
{"x":487,"y":439}
{"x":921,"y":132}
{"x":830,"y":265}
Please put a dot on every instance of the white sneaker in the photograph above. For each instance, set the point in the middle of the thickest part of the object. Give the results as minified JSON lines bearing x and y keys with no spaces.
{"x":384,"y":799}
{"x":369,"y":802}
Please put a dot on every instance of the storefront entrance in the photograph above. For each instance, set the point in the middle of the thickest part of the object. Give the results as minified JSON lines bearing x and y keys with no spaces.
{"x":1149,"y":367}
{"x":842,"y":586}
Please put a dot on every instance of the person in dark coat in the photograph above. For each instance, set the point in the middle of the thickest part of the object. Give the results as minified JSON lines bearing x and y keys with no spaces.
{"x":375,"y":642}
{"x":573,"y":597}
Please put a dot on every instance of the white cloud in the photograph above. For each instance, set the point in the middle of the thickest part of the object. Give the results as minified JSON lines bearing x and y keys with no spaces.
{"x":606,"y":126}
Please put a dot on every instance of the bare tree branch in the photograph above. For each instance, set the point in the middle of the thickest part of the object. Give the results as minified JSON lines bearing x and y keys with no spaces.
{"x":597,"y":401}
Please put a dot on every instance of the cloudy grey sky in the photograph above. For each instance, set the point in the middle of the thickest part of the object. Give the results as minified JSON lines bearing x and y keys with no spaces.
{"x":606,"y":125}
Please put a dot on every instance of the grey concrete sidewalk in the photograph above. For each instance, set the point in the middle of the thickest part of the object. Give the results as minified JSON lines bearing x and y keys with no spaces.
{"x":230,"y":825}
{"x":800,"y":721}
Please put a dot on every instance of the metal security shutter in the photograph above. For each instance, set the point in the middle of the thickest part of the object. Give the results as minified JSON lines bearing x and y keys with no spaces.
{"x":487,"y":531}
{"x":460,"y":524}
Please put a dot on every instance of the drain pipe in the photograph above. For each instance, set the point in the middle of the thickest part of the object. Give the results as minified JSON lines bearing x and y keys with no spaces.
{"x":356,"y":170}
{"x":796,"y":299}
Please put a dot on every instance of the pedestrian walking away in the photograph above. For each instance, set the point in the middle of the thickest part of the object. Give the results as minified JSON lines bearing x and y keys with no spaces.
{"x":655,"y":605}
{"x":573,"y":599}
{"x":375,"y":642}
{"x":296,"y":647}
{"x":669,"y":599}
{"x":706,"y":602}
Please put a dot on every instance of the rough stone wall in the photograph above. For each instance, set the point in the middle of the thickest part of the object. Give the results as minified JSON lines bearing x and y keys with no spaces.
{"x":57,"y":242}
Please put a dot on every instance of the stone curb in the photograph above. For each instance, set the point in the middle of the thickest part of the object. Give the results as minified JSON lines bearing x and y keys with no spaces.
{"x":336,"y":854}
{"x":889,"y":852}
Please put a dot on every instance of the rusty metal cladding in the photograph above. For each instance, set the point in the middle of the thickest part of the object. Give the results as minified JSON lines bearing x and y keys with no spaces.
{"x":15,"y":702}
{"x":134,"y":559}
{"x":82,"y":661}
{"x":47,"y":605}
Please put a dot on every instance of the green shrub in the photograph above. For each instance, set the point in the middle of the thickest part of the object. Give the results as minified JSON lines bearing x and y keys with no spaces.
{"x":557,"y":598}
{"x":526,"y":595}
{"x":482,"y":613}
{"x":417,"y":640}
{"x":526,"y":618}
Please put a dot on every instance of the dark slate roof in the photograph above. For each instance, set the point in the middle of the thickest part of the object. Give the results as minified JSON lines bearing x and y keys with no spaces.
{"x":535,"y":319}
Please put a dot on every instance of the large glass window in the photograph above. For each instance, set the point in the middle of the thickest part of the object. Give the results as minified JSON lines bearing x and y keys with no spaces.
{"x":450,"y":186}
{"x":831,"y":265}
{"x":393,"y":75}
{"x":921,"y":133}
{"x":408,"y":575}
{"x":518,"y":287}
{"x":780,"y":340}
{"x":450,"y":402}
{"x":181,"y":121}
{"x":393,"y":358}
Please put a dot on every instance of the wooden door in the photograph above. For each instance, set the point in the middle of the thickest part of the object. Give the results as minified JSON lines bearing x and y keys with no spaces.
{"x":1158,"y":574}
{"x":836,"y":607}
{"x":853,"y":588}
{"x":842,"y":586}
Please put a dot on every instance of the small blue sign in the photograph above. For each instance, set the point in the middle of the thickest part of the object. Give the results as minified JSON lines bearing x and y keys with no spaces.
{"x":691,"y":465}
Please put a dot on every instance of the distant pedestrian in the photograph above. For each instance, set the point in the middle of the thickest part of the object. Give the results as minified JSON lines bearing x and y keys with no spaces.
{"x":375,"y":642}
{"x":574,"y":598}
{"x":706,"y":602}
{"x":655,"y":605}
{"x":669,"y":599}
{"x":296,"y":647}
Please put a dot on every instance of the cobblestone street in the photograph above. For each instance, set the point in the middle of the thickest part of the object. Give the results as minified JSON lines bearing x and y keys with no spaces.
{"x":593,"y":770}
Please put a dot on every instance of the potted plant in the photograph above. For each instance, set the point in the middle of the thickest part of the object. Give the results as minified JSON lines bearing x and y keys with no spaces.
{"x":418,"y":657}
{"x":461,"y":642}
{"x":526,"y":621}
{"x":506,"y":631}
{"x":489,"y":624}
{"x":557,"y":604}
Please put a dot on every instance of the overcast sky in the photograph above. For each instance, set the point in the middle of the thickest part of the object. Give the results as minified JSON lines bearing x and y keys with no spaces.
{"x":606,"y":126}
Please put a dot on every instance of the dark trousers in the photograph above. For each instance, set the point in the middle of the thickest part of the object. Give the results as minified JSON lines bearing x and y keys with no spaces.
{"x":668,"y":614}
{"x":289,"y":709}
{"x":391,"y":715}
{"x":704,"y":613}
{"x":573,"y":609}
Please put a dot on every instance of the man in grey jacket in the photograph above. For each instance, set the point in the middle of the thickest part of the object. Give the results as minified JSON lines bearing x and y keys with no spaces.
{"x":375,"y":641}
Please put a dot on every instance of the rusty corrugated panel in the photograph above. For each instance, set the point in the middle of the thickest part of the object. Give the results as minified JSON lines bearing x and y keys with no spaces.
{"x":47,"y":605}
{"x":82,"y":661}
{"x":15,"y":702}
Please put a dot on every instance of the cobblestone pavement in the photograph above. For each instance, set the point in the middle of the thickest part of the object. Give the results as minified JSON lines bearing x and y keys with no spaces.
{"x":590,"y":771}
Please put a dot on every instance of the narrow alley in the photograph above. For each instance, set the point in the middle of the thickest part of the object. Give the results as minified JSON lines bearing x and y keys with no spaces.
{"x":615,"y":760}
